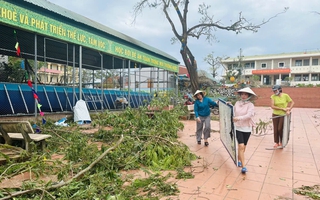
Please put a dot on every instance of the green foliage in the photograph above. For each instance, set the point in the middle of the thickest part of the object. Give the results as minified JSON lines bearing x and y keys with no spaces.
{"x":288,"y":78}
{"x":232,"y":99}
{"x":261,"y":127}
{"x":301,"y":85}
{"x":150,"y":188}
{"x":12,"y":72}
{"x":236,"y":73}
{"x":154,"y":138}
{"x":307,"y":85}
{"x":148,"y":142}
{"x":166,"y":98}
{"x":184,"y":175}
{"x":310,"y":191}
{"x":39,"y":166}
{"x":310,"y":85}
{"x":304,"y":85}
{"x":256,"y":78}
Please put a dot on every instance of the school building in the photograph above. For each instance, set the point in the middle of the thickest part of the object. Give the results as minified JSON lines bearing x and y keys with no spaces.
{"x":301,"y":68}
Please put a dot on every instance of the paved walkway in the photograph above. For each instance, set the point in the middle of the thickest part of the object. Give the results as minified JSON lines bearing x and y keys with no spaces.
{"x":272,"y":174}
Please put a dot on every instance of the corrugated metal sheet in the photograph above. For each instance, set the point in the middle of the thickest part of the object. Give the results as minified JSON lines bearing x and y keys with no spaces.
{"x":95,"y":25}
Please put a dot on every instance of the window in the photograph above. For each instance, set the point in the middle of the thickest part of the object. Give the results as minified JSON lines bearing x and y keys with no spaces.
{"x":297,"y":78}
{"x":298,"y":63}
{"x":281,"y":64}
{"x":249,"y":65}
{"x":305,"y":77}
{"x":264,"y":65}
{"x":306,"y":62}
{"x":315,"y":62}
{"x":314,"y":77}
{"x":252,"y":65}
{"x":285,"y":78}
{"x":232,"y":66}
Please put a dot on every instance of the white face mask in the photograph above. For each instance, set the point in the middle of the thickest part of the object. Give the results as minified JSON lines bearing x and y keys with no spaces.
{"x":277,"y":92}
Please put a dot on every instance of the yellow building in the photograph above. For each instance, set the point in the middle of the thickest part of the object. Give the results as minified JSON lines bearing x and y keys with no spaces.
{"x":57,"y":74}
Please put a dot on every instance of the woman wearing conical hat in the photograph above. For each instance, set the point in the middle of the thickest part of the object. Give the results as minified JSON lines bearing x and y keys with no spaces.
{"x":202,"y":114}
{"x":243,"y":121}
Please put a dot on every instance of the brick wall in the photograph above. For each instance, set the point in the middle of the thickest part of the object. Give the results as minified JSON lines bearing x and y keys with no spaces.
{"x":303,"y":97}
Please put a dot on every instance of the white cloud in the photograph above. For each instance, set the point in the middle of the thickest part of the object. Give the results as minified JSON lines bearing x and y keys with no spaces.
{"x":296,"y":30}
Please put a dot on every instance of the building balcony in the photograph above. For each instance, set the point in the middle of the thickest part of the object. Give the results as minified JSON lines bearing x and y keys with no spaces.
{"x":49,"y":71}
{"x":295,"y":83}
{"x":305,"y":69}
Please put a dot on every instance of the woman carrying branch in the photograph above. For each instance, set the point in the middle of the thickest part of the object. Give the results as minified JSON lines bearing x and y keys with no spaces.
{"x":202,"y":113}
{"x":243,"y":121}
{"x":281,"y":103}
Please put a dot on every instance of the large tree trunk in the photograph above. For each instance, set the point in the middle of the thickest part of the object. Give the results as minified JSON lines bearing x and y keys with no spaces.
{"x":191,"y":66}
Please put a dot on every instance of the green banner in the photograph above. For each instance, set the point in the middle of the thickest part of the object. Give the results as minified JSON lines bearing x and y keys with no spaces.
{"x":20,"y":17}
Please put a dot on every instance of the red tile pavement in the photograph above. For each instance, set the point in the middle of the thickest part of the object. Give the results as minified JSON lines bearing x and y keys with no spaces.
{"x":272,"y":174}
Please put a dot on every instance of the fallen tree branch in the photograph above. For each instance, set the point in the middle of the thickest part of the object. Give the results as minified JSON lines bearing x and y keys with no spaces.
{"x":55,"y":132}
{"x":7,"y":169}
{"x":154,"y":136}
{"x":61,"y":184}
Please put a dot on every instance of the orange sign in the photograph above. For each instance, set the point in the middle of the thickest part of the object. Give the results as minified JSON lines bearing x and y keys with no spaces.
{"x":271,"y":71}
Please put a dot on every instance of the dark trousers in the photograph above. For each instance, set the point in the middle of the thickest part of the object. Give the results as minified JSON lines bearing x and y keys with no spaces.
{"x":277,"y":128}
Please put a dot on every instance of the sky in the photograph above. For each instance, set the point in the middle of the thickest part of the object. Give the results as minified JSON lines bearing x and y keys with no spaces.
{"x":297,"y":30}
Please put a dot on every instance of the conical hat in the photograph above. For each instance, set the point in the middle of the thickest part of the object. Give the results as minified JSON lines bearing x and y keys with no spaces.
{"x":199,"y":91}
{"x":249,"y":91}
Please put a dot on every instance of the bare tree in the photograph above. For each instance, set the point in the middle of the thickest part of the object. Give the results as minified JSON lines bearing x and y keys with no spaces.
{"x":206,"y":28}
{"x":215,"y":63}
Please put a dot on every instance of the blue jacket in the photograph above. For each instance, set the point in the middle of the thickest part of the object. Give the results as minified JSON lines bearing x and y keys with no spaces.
{"x":202,"y":109}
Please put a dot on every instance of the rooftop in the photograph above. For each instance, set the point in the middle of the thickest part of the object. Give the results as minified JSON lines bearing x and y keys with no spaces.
{"x":274,"y":56}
